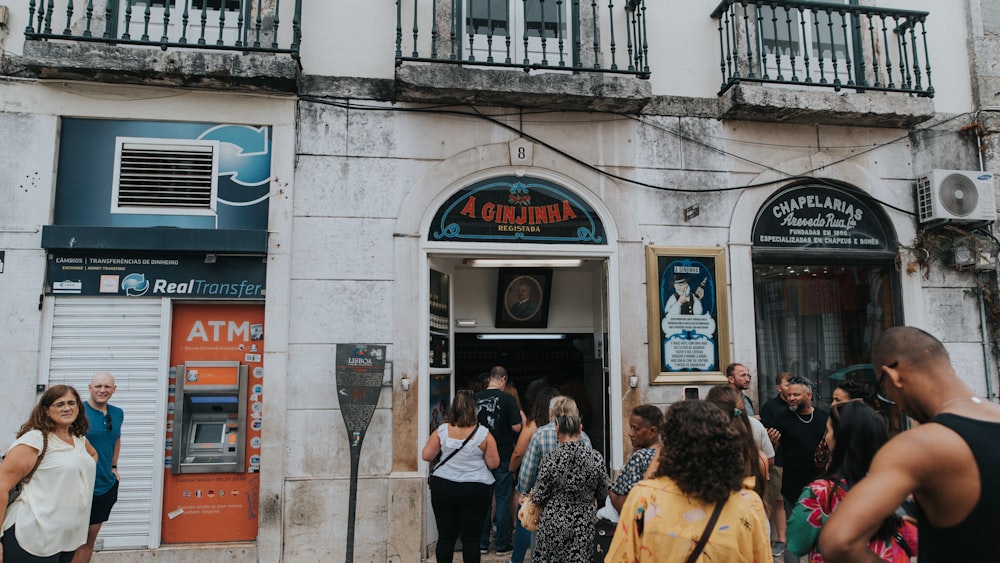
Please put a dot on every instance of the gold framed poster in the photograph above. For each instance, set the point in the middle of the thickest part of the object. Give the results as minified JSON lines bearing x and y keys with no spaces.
{"x":688,"y":314}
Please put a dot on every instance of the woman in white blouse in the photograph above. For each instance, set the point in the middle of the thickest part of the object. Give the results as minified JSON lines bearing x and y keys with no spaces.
{"x":461,"y":480}
{"x":49,"y":520}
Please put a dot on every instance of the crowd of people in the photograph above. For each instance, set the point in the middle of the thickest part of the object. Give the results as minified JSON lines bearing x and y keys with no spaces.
{"x":705,"y":481}
{"x":708,"y":480}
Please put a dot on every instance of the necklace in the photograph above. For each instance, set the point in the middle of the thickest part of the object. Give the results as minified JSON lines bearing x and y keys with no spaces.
{"x":974,"y":399}
{"x":804,"y":421}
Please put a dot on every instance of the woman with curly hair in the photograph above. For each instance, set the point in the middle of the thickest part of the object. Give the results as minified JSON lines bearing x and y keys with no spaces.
{"x":854,"y":433}
{"x":49,"y":520}
{"x":695,"y":508}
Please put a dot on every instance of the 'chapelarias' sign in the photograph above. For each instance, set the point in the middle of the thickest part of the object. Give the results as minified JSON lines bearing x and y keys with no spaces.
{"x":517,"y":210}
{"x":820,"y":217}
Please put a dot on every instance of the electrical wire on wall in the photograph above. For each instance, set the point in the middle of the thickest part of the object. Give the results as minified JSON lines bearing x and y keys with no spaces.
{"x":474,"y":113}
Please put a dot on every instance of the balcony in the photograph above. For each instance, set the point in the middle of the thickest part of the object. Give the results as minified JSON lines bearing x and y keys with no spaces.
{"x":572,"y":53}
{"x":804,"y":55}
{"x":249,"y":44}
{"x":823,"y":44}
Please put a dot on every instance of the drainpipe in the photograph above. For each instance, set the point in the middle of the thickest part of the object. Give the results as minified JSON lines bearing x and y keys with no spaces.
{"x":986,"y":339}
{"x":981,"y":278}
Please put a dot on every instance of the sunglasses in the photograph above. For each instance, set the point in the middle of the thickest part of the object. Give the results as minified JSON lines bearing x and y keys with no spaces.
{"x":107,"y":422}
{"x":879,"y":393}
{"x":835,"y":409}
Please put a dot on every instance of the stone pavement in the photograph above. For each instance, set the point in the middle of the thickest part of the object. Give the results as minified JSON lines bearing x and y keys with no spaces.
{"x":490,"y":557}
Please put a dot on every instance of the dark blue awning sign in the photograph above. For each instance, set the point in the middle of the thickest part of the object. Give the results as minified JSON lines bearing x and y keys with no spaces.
{"x":512,"y":209}
{"x":179,"y":276}
{"x":821,"y":217}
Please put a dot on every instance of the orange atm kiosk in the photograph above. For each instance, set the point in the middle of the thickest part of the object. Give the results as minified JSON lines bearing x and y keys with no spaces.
{"x":214,"y":419}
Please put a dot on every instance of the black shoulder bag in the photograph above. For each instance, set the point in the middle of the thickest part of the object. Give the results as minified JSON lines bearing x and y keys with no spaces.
{"x":708,"y":532}
{"x":445,"y":460}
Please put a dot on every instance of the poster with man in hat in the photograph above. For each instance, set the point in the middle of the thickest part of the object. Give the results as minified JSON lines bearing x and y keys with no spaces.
{"x":688,"y":317}
{"x":683,"y":302}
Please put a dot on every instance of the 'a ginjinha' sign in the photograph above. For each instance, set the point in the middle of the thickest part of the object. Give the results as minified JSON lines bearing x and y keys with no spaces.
{"x":517,"y":210}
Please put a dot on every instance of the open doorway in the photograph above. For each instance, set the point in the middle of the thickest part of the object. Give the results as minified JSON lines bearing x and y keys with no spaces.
{"x":565,"y":362}
{"x":567,"y":352}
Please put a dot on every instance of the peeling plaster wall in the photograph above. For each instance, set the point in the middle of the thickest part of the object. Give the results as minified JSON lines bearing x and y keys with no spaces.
{"x":27,"y":181}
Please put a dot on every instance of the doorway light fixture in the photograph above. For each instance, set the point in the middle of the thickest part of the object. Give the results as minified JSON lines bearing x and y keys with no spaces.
{"x":523,"y":262}
{"x":520,"y":336}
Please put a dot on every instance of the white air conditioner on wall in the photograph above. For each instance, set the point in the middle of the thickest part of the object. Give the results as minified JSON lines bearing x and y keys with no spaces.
{"x":956,"y":196}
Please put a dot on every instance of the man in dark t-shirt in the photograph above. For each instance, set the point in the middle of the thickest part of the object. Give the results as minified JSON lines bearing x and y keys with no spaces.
{"x":799,"y":430}
{"x":770,"y":411}
{"x":498,"y":411}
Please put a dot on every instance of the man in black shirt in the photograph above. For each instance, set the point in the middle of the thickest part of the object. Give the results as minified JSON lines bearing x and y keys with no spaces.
{"x":775,"y":405}
{"x":799,"y":430}
{"x":949,"y":462}
{"x":769,"y":411}
{"x":498,"y":411}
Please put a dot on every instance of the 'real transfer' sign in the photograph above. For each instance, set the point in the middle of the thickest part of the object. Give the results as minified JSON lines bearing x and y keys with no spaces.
{"x":156,"y":275}
{"x":820,"y":217}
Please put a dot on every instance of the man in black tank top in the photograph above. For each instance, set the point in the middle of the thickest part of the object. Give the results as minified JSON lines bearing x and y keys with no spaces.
{"x":949,"y":462}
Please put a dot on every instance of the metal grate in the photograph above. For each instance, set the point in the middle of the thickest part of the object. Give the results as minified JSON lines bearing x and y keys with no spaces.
{"x":924,"y":202}
{"x":162,"y":176}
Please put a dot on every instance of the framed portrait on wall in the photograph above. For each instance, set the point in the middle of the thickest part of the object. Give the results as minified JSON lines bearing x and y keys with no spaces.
{"x":688,"y":314}
{"x":523,"y":297}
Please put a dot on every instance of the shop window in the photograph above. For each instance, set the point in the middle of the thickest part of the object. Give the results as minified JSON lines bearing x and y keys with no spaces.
{"x":818,"y":321}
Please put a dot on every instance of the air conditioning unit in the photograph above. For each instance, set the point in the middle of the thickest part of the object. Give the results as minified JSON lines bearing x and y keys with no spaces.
{"x":956,"y":196}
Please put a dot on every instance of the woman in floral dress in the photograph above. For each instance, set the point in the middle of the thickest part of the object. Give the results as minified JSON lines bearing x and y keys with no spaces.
{"x":854,"y":433}
{"x":571,"y":481}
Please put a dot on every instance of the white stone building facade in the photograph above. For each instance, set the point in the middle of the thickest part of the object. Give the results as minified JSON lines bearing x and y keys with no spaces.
{"x":368,"y":148}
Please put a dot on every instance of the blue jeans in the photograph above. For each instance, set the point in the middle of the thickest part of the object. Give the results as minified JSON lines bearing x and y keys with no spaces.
{"x":502,"y":489}
{"x":522,"y":541}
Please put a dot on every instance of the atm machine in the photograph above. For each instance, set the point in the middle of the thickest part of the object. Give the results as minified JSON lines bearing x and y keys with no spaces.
{"x":210,"y":418}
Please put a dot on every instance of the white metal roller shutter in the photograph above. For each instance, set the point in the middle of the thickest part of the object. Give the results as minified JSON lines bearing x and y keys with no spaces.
{"x":129,"y":338}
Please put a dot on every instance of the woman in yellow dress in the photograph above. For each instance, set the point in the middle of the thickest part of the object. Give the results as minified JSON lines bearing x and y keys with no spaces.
{"x":701,"y":468}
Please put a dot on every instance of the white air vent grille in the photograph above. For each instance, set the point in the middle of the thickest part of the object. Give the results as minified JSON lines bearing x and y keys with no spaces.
{"x":165,"y":176}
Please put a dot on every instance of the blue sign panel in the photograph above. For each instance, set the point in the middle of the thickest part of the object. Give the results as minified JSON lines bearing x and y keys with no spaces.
{"x":85,"y":181}
{"x":515,"y":209}
{"x":179,"y":276}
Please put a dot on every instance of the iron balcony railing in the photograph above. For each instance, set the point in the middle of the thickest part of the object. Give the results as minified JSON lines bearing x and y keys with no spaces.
{"x":566,"y":35}
{"x":823,"y":44}
{"x":227,"y":25}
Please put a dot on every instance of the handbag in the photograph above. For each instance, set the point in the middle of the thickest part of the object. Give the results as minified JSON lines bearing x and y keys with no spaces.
{"x":708,"y":532}
{"x":529,"y":514}
{"x":15,"y":491}
{"x":604,"y":533}
{"x":445,"y":460}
